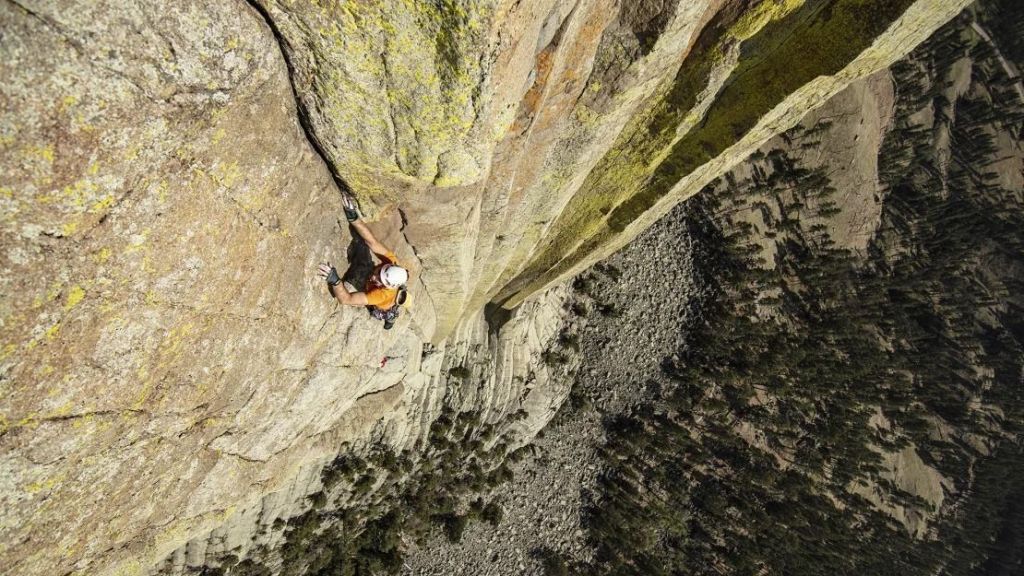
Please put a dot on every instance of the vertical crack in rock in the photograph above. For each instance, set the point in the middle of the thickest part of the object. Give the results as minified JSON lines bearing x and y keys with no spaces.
{"x":392,"y":119}
{"x":300,"y":107}
{"x":307,"y":126}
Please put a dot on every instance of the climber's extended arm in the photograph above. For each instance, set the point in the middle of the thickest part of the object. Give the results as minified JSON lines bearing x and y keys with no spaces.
{"x":348,"y":298}
{"x":329,"y":274}
{"x":352,"y":214}
{"x":371,"y":241}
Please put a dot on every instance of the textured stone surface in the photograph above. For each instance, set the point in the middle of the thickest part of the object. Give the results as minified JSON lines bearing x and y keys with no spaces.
{"x":167,"y":356}
{"x":849,"y":129}
{"x":634,"y":189}
{"x":167,"y":352}
{"x":506,"y":376}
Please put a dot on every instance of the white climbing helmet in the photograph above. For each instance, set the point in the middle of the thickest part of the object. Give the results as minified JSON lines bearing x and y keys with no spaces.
{"x":394,"y":276}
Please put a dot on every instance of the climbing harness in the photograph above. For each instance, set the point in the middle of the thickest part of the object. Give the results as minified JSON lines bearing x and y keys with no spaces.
{"x":390,"y":315}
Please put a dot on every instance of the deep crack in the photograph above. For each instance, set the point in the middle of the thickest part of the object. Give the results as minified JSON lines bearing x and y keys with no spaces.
{"x":302,"y":111}
{"x":307,"y":126}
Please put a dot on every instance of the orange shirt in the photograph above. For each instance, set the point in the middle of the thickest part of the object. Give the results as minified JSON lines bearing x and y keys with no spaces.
{"x":376,"y":293}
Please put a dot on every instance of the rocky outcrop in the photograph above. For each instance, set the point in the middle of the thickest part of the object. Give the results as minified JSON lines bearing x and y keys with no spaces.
{"x":169,"y":182}
{"x":500,"y":378}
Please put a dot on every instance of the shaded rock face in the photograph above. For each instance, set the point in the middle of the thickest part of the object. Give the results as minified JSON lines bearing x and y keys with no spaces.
{"x":169,"y":181}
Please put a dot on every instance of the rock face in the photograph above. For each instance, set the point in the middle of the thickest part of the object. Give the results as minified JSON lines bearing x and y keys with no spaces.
{"x":502,"y":377}
{"x":169,"y":181}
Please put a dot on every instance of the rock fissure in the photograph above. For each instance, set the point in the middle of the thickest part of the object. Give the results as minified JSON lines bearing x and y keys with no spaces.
{"x":423,"y":282}
{"x":98,"y":413}
{"x":304,"y":117}
{"x":242,"y":457}
{"x":300,"y":108}
{"x":392,"y":119}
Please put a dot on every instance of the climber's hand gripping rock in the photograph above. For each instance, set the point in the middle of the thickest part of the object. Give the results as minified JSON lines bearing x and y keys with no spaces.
{"x":329,"y":274}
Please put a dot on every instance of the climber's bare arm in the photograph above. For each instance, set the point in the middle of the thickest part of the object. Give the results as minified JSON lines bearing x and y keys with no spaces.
{"x":348,"y":298}
{"x":371,"y":241}
{"x":337,"y":289}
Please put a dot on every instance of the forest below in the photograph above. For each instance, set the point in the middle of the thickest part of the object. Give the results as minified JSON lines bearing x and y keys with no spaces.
{"x":769,"y":430}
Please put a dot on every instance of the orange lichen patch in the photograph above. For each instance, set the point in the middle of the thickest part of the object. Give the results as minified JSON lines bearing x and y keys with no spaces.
{"x":531,"y":101}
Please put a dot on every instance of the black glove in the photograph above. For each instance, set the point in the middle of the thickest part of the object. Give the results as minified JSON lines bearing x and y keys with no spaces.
{"x":330,"y":274}
{"x":351,"y":210}
{"x":333,"y":279}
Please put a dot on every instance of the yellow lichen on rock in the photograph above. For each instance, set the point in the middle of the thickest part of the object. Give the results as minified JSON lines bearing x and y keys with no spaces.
{"x":75,"y":295}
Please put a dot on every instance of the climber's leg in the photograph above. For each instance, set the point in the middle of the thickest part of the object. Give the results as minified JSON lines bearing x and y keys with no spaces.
{"x":360,"y":263}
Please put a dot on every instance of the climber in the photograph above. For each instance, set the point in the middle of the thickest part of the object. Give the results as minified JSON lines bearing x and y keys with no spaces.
{"x":384,"y":290}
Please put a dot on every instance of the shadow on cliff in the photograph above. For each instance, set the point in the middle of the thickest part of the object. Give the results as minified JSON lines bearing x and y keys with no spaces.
{"x":360,"y":261}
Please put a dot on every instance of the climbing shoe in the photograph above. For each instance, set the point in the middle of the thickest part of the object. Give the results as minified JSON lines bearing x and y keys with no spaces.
{"x":351,"y":210}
